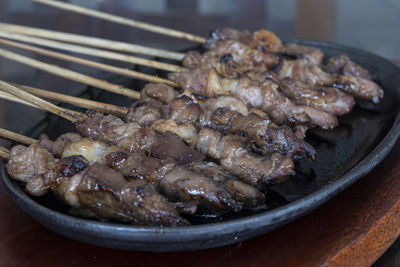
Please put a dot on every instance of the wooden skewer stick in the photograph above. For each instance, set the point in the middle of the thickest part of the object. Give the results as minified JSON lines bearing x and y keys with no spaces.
{"x":125,"y":21}
{"x":91,"y":41}
{"x":77,"y":101}
{"x":75,"y":76}
{"x":16,"y":137}
{"x":122,"y":71}
{"x":85,"y":50}
{"x":4,"y":153}
{"x":62,"y":112}
{"x":7,"y":96}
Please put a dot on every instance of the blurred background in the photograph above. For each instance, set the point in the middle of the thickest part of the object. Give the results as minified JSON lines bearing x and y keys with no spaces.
{"x":367,"y":24}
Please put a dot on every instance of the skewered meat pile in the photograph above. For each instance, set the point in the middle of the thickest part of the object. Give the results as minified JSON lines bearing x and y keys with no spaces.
{"x":236,"y":127}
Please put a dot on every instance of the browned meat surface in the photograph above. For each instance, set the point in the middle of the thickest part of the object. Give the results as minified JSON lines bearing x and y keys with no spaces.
{"x":262,"y":40}
{"x":148,"y":207}
{"x":224,"y":34}
{"x":229,"y":150}
{"x":359,"y":87}
{"x":113,"y":130}
{"x":265,"y":96}
{"x":242,"y":193}
{"x":233,"y":59}
{"x":157,"y":91}
{"x":93,"y":150}
{"x":269,"y":138}
{"x":184,"y":110}
{"x":247,"y":58}
{"x":139,"y":166}
{"x":296,"y":51}
{"x":229,"y":114}
{"x":234,"y":157}
{"x":224,"y":64}
{"x":231,"y":103}
{"x":66,"y":177}
{"x":259,"y":131}
{"x":311,"y":74}
{"x":171,"y":146}
{"x":343,"y":65}
{"x":57,"y":147}
{"x":131,"y":136}
{"x":228,"y":47}
{"x":144,"y":115}
{"x":328,"y":99}
{"x":194,"y":81}
{"x":104,"y":193}
{"x":265,"y":41}
{"x":30,"y":163}
{"x":96,"y":189}
{"x":181,"y":184}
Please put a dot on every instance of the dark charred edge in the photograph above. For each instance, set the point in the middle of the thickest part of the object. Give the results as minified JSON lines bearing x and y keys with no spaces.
{"x":225,"y":58}
{"x":72,"y":165}
{"x":290,"y":56}
{"x":200,"y":96}
{"x":277,"y":67}
{"x":185,"y":97}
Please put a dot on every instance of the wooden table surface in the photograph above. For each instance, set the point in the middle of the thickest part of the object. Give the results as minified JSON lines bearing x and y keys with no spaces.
{"x":355,"y":227}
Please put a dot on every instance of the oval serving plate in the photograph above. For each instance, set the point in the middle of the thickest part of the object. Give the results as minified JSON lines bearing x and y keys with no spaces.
{"x":344,"y":155}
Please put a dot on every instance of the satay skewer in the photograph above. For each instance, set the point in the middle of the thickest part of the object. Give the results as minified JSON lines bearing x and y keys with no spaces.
{"x":4,"y":152}
{"x":6,"y":134}
{"x":76,"y":101}
{"x":125,"y":21}
{"x":82,"y":50}
{"x":72,"y":75}
{"x":73,"y":100}
{"x":68,"y":114}
{"x":13,"y":98}
{"x":121,"y":71}
{"x":91,"y":41}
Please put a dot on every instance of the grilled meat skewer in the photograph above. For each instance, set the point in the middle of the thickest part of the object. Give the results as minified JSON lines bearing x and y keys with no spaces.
{"x":229,"y":150}
{"x":313,"y":75}
{"x":136,"y":165}
{"x":343,"y":65}
{"x":131,"y":136}
{"x":264,"y":96}
{"x":261,"y":171}
{"x":325,"y":98}
{"x":236,"y":53}
{"x":227,"y":114}
{"x":98,"y":190}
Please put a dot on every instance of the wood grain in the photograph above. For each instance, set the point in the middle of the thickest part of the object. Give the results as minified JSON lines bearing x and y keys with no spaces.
{"x":354,"y":228}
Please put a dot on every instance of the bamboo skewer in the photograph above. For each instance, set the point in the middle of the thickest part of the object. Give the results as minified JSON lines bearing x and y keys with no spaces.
{"x":16,"y":137}
{"x":125,"y":21}
{"x":7,"y":96}
{"x":62,"y":112}
{"x":72,"y":75}
{"x":73,"y":100}
{"x":84,"y":50}
{"x":91,"y":41}
{"x":77,"y":101}
{"x":122,"y":71}
{"x":4,"y":153}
